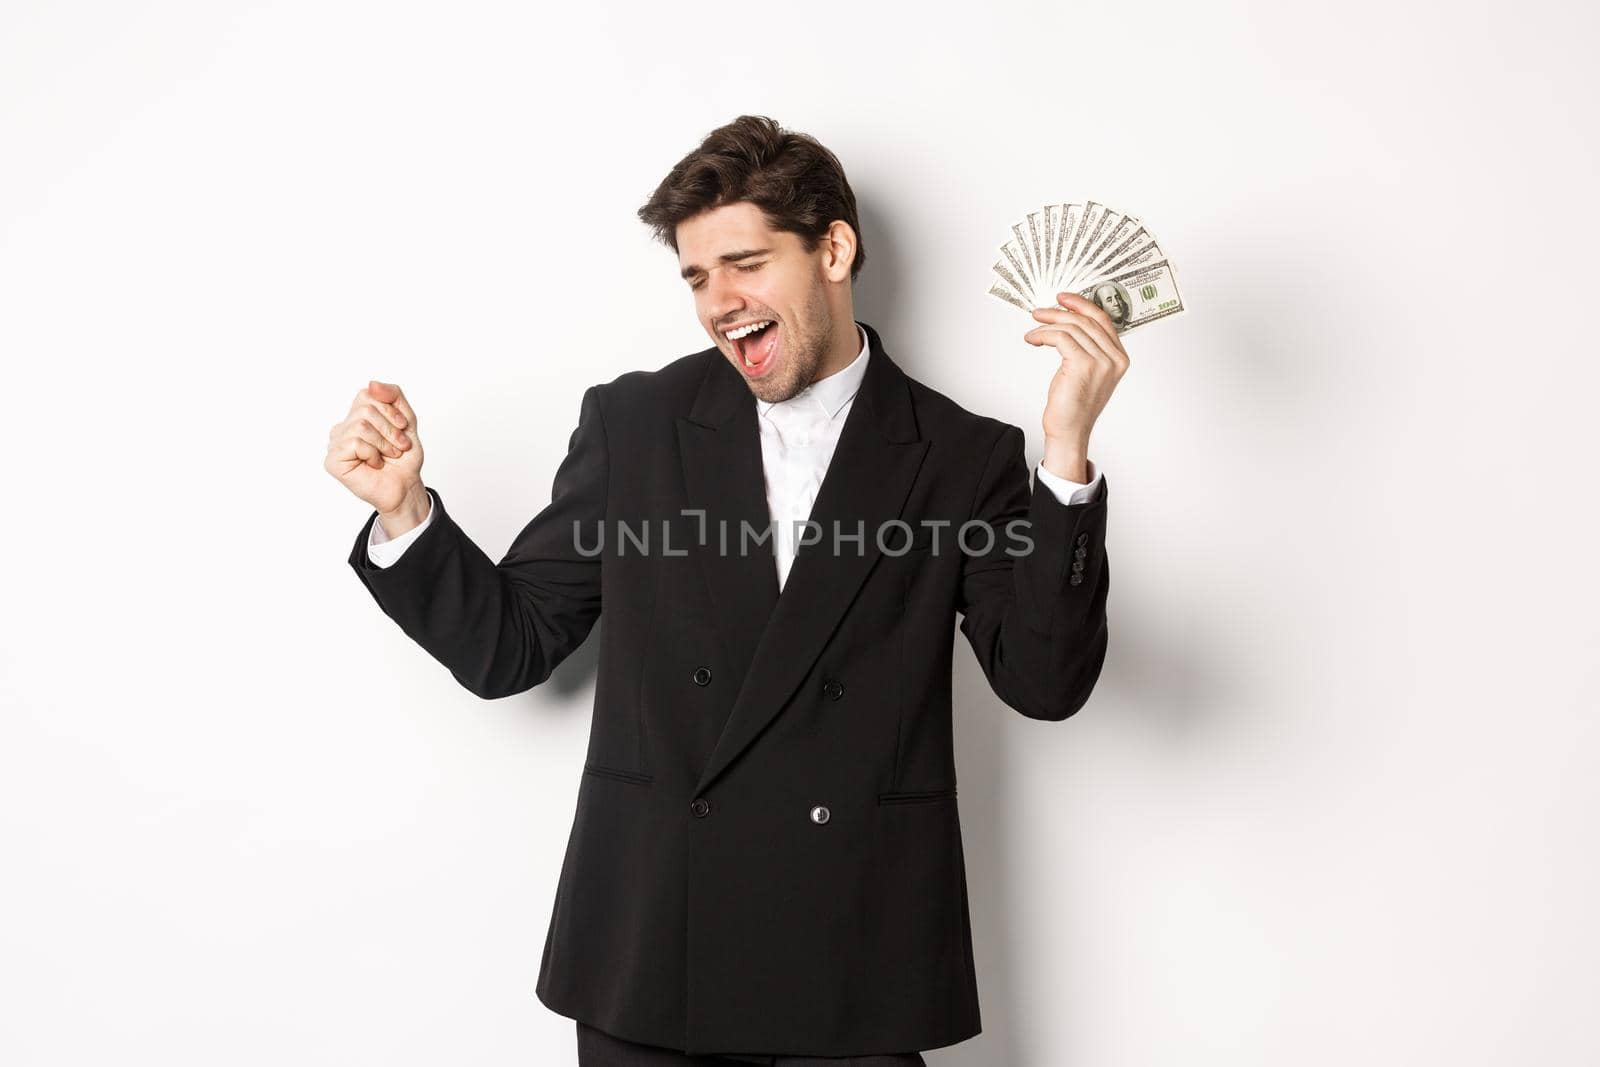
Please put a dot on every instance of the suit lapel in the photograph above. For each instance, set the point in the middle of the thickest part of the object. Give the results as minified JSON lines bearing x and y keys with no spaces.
{"x":773,"y":640}
{"x":719,"y":444}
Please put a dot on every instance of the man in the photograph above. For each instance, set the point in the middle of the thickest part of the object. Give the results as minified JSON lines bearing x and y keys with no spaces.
{"x":765,"y":862}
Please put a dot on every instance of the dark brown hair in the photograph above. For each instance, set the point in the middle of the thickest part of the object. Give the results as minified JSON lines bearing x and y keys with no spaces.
{"x":796,"y":182}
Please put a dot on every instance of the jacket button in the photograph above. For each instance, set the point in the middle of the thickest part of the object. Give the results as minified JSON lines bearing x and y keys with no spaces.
{"x":1077,"y":565}
{"x":700,"y":806}
{"x":1076,"y":579}
{"x":1083,"y":538}
{"x":819,"y":814}
{"x":834,"y":689}
{"x":1079,"y":552}
{"x":702,"y":676}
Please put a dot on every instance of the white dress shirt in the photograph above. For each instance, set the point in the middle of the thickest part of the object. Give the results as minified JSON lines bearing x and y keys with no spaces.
{"x":798,"y":436}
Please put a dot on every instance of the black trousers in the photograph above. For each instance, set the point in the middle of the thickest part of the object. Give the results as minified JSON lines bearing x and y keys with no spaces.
{"x":596,"y":1048}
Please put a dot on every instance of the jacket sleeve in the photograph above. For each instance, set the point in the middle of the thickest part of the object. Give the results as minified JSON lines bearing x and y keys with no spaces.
{"x":503,"y":628}
{"x":1034,"y":606}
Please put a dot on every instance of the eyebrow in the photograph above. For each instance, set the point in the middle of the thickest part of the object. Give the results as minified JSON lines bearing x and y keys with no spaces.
{"x":726,"y":257}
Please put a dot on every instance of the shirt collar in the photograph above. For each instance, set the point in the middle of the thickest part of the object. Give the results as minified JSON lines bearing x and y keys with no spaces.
{"x":833,"y":391}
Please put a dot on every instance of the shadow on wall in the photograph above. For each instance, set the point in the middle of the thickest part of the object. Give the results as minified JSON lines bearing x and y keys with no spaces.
{"x":878,"y":295}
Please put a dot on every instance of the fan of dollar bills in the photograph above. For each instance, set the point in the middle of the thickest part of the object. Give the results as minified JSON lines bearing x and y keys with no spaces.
{"x":1093,"y":250}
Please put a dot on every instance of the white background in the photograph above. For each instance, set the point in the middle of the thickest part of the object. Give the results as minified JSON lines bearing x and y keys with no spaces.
{"x":1334,"y":799}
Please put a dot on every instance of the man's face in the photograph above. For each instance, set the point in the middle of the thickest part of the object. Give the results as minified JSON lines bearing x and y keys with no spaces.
{"x":768,"y":276}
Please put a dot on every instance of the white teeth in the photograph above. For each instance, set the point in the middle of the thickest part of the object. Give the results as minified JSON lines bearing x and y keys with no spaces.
{"x":745,"y":331}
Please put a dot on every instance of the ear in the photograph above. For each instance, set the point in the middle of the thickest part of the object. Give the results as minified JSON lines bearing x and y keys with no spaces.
{"x":839,"y":250}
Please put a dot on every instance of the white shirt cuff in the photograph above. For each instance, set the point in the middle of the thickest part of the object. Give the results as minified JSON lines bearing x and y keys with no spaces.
{"x":383,"y":550}
{"x":1068,"y":492}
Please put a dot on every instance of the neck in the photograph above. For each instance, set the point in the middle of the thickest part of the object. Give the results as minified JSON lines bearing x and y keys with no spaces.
{"x":843,"y":347}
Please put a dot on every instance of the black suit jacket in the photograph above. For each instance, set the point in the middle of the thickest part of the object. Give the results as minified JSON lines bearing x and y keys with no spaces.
{"x":765,"y":855}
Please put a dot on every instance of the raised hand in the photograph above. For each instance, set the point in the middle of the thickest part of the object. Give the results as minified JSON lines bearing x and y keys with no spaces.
{"x":376,"y":454}
{"x":1093,"y":361}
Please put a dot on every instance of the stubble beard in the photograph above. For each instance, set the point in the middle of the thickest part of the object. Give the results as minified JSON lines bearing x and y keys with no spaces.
{"x":802,"y":356}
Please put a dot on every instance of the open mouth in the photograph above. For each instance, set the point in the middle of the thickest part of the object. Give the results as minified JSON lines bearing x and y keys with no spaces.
{"x":756,"y":350}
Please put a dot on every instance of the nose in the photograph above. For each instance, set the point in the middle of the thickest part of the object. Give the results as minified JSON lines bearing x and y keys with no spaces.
{"x":722,"y":298}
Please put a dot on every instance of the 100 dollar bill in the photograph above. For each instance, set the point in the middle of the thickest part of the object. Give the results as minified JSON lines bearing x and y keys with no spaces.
{"x":1136,"y":296}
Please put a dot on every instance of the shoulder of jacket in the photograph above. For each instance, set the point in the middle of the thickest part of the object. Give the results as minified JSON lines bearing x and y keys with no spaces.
{"x":671,"y":386}
{"x":950,"y":419}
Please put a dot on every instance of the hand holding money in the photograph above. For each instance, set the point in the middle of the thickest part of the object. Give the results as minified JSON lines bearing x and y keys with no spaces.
{"x":1093,"y":361}
{"x":1106,"y":274}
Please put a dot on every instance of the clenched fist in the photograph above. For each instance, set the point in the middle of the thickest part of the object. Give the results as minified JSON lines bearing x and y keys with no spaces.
{"x":376,"y":453}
